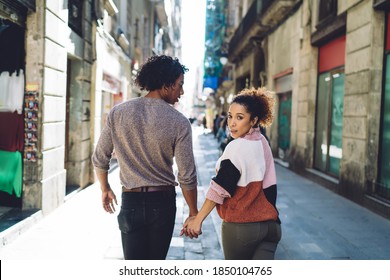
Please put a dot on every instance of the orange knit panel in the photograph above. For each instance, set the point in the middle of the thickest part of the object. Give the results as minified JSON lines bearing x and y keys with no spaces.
{"x":247,"y":205}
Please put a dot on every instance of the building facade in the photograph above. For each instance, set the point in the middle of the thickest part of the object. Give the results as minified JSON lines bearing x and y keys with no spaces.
{"x":70,"y":61}
{"x":327,"y":63}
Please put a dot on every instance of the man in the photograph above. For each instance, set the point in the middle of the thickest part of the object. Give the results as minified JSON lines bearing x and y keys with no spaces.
{"x":148,"y":134}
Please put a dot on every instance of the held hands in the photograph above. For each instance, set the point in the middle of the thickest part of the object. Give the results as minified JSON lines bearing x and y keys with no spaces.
{"x":192,"y":227}
{"x":108,"y":199}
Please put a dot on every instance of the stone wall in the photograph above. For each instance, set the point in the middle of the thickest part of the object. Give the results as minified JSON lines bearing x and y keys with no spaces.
{"x":50,"y":44}
{"x":363,"y":72}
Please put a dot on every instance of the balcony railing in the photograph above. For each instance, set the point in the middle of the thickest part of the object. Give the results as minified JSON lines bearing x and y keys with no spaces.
{"x":253,"y":15}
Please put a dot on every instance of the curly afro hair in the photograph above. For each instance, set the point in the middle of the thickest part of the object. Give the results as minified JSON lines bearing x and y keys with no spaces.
{"x":259,"y":103}
{"x":159,"y":71}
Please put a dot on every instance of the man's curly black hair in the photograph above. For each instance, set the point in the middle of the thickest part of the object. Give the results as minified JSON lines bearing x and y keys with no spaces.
{"x":159,"y":71}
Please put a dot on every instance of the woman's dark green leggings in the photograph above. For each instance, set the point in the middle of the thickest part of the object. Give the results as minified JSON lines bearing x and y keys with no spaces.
{"x":250,"y":241}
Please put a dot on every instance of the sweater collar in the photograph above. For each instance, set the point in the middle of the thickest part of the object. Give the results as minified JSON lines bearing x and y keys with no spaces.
{"x":253,"y":134}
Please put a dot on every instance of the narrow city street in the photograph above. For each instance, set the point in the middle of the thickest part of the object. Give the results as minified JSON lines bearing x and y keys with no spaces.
{"x":319,"y":70}
{"x":317,"y":224}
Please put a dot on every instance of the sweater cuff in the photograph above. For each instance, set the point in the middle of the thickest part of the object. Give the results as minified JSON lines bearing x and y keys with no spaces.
{"x":216,"y":193}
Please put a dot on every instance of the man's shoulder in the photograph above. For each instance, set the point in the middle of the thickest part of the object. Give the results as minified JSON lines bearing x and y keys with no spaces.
{"x":130,"y":102}
{"x":172,"y":112}
{"x":127,"y":104}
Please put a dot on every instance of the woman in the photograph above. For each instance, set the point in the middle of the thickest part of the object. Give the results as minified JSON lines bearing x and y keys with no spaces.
{"x":244,"y":189}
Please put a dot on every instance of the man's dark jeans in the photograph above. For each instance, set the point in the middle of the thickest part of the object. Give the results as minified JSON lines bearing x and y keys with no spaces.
{"x":146,"y":221}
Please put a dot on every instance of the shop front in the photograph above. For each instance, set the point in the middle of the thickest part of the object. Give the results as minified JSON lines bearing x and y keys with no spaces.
{"x":18,"y":107}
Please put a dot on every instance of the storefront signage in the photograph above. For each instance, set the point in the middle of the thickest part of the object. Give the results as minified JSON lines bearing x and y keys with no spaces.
{"x":111,"y":84}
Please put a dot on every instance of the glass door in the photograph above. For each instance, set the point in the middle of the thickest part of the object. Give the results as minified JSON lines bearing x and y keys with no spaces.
{"x":284,"y":125}
{"x":383,"y":188}
{"x":329,"y":122}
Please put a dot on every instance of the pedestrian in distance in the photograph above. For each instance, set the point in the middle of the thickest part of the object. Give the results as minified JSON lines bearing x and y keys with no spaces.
{"x":221,"y":132}
{"x":244,"y":189}
{"x":217,"y":122}
{"x":215,"y":126}
{"x":147,"y":133}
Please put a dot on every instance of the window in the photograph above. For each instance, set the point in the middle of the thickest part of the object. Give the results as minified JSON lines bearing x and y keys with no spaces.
{"x":327,"y":10}
{"x":329,"y":122}
{"x":75,"y":14}
{"x":283,"y":87}
{"x":383,"y":188}
{"x":243,"y":82}
{"x":284,"y":125}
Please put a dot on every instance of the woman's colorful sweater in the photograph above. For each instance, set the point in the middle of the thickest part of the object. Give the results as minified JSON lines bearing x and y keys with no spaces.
{"x":245,"y":185}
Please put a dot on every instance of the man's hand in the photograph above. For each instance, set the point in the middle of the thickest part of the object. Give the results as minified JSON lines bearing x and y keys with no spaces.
{"x":108,"y":199}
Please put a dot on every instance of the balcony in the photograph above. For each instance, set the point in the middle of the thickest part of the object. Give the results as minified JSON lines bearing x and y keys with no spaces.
{"x":381,"y":5}
{"x":262,"y":17}
{"x":29,"y":4}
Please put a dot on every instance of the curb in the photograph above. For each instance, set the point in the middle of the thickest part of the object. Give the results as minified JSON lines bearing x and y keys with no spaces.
{"x":13,"y":232}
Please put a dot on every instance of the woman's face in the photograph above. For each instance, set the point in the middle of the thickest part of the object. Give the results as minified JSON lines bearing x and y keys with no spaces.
{"x":173,"y":93}
{"x":239,"y":120}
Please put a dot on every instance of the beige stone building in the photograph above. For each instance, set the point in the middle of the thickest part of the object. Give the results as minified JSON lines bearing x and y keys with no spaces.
{"x":327,"y":61}
{"x":78,"y":58}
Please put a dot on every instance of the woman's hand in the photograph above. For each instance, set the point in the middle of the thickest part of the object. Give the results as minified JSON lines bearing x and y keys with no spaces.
{"x":192,"y":227}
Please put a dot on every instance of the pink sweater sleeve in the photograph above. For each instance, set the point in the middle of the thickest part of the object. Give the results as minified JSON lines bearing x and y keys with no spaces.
{"x":216,"y":193}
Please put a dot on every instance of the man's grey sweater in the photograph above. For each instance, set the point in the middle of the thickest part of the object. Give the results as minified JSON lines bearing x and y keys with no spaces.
{"x":146,"y":134}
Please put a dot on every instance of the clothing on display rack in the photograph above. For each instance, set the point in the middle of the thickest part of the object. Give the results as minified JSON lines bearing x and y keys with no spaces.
{"x":11,"y":172}
{"x":11,"y":92}
{"x":12,"y":57}
{"x":12,"y":130}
